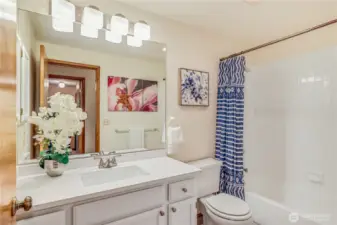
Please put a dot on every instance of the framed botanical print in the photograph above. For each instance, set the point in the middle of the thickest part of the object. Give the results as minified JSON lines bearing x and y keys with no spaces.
{"x":194,"y":87}
{"x":132,"y":95}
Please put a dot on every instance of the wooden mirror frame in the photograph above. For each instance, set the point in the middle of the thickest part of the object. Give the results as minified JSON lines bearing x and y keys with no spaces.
{"x":97,"y":70}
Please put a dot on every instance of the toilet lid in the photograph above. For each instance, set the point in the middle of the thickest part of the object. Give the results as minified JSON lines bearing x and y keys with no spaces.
{"x":228,"y":205}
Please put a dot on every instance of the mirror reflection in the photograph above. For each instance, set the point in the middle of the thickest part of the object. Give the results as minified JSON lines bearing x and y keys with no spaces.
{"x":120,"y":87}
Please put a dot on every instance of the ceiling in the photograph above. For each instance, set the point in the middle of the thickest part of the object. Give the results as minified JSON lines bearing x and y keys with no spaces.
{"x":249,"y":22}
{"x":45,"y":32}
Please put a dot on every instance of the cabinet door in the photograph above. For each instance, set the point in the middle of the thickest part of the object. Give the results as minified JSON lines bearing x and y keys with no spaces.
{"x":57,"y":218}
{"x":153,"y":217}
{"x":183,"y":213}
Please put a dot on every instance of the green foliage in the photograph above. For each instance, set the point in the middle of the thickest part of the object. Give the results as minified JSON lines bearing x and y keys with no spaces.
{"x":51,"y":154}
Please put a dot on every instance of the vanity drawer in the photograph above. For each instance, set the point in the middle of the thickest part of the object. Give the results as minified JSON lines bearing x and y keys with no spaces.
{"x":181,"y":190}
{"x":57,"y":218}
{"x":119,"y":207}
{"x":154,"y":217}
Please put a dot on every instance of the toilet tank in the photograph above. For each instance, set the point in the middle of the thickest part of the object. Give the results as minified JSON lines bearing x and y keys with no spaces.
{"x":207,"y":182}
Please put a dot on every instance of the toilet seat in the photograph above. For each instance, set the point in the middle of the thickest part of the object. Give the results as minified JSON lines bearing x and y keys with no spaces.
{"x":228,"y":207}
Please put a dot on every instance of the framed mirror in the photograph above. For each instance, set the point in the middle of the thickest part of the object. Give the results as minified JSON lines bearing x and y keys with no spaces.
{"x":120,"y":87}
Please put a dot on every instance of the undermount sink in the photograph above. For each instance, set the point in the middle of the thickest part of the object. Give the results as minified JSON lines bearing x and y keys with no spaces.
{"x":111,"y":175}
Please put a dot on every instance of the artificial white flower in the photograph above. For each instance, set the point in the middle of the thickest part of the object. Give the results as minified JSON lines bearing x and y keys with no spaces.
{"x":34,"y":119}
{"x":69,"y":103}
{"x":43,"y":111}
{"x":56,"y":108}
{"x":56,"y":98}
{"x":59,"y":122}
{"x":63,"y":141}
{"x":60,"y":151}
{"x":39,"y":137}
{"x":49,"y":134}
{"x":81,"y":115}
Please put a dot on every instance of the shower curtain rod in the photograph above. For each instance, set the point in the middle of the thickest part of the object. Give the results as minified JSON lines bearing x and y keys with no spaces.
{"x":281,"y":39}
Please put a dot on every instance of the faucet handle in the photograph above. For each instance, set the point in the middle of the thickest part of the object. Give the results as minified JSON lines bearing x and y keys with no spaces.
{"x":97,"y":155}
{"x":102,"y":153}
{"x":113,"y":153}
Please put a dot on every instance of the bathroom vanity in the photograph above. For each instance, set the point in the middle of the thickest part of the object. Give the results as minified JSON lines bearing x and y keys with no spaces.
{"x":156,"y":191}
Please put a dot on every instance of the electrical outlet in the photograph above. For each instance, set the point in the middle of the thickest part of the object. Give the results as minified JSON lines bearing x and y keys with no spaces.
{"x":106,"y":122}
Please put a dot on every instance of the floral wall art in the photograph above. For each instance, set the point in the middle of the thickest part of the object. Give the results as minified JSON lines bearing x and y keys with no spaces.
{"x":194,"y":88}
{"x":126,"y":95}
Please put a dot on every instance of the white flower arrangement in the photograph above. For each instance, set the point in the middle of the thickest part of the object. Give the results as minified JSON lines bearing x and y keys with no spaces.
{"x":57,"y":124}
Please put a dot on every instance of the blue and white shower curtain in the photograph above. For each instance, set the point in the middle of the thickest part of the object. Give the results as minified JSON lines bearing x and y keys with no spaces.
{"x":229,"y":125}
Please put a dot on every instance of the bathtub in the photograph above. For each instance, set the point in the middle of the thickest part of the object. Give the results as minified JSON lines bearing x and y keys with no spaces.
{"x":269,"y":212}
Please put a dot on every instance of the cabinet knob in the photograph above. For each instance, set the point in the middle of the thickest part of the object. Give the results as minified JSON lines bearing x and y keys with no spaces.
{"x":162,"y":213}
{"x":25,"y":205}
{"x":184,"y":190}
{"x":174,"y":210}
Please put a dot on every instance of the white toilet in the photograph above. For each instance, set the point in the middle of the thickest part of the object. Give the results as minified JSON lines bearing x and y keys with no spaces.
{"x":221,"y":209}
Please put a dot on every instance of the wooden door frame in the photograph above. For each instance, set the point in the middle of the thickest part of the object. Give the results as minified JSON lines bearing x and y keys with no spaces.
{"x":7,"y":119}
{"x":82,"y":81}
{"x":97,"y":70}
{"x":43,"y":73}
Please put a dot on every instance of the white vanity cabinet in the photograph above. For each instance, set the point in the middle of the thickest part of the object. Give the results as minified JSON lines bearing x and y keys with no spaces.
{"x":57,"y":218}
{"x":183,"y":213}
{"x":174,"y":203}
{"x":166,"y":196}
{"x":117,"y":207}
{"x":153,"y":217}
{"x":166,"y":204}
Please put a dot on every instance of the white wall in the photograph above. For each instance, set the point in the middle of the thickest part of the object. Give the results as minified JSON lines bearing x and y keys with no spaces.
{"x":25,"y":73}
{"x":188,"y":47}
{"x":90,"y":99}
{"x":290,"y":124}
{"x":316,"y":40}
{"x":116,"y":65}
{"x":26,"y":33}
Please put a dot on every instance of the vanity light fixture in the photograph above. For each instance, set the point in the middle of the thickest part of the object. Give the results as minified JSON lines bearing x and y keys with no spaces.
{"x":92,"y":17}
{"x":92,"y":21}
{"x":7,"y":3}
{"x":89,"y":31}
{"x":62,"y":85}
{"x":63,"y":25}
{"x":119,"y":24}
{"x":8,"y":10}
{"x":133,"y":41}
{"x":63,"y":13}
{"x":142,"y":30}
{"x":7,"y":16}
{"x":164,"y":49}
{"x":113,"y":37}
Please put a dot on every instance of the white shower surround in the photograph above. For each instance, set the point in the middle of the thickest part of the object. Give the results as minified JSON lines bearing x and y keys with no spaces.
{"x":269,"y":212}
{"x":290,"y":134}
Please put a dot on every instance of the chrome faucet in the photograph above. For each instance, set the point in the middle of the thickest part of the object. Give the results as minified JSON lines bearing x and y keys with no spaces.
{"x":109,"y":162}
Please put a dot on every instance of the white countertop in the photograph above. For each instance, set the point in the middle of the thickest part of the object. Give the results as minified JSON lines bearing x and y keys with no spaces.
{"x":50,"y":192}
